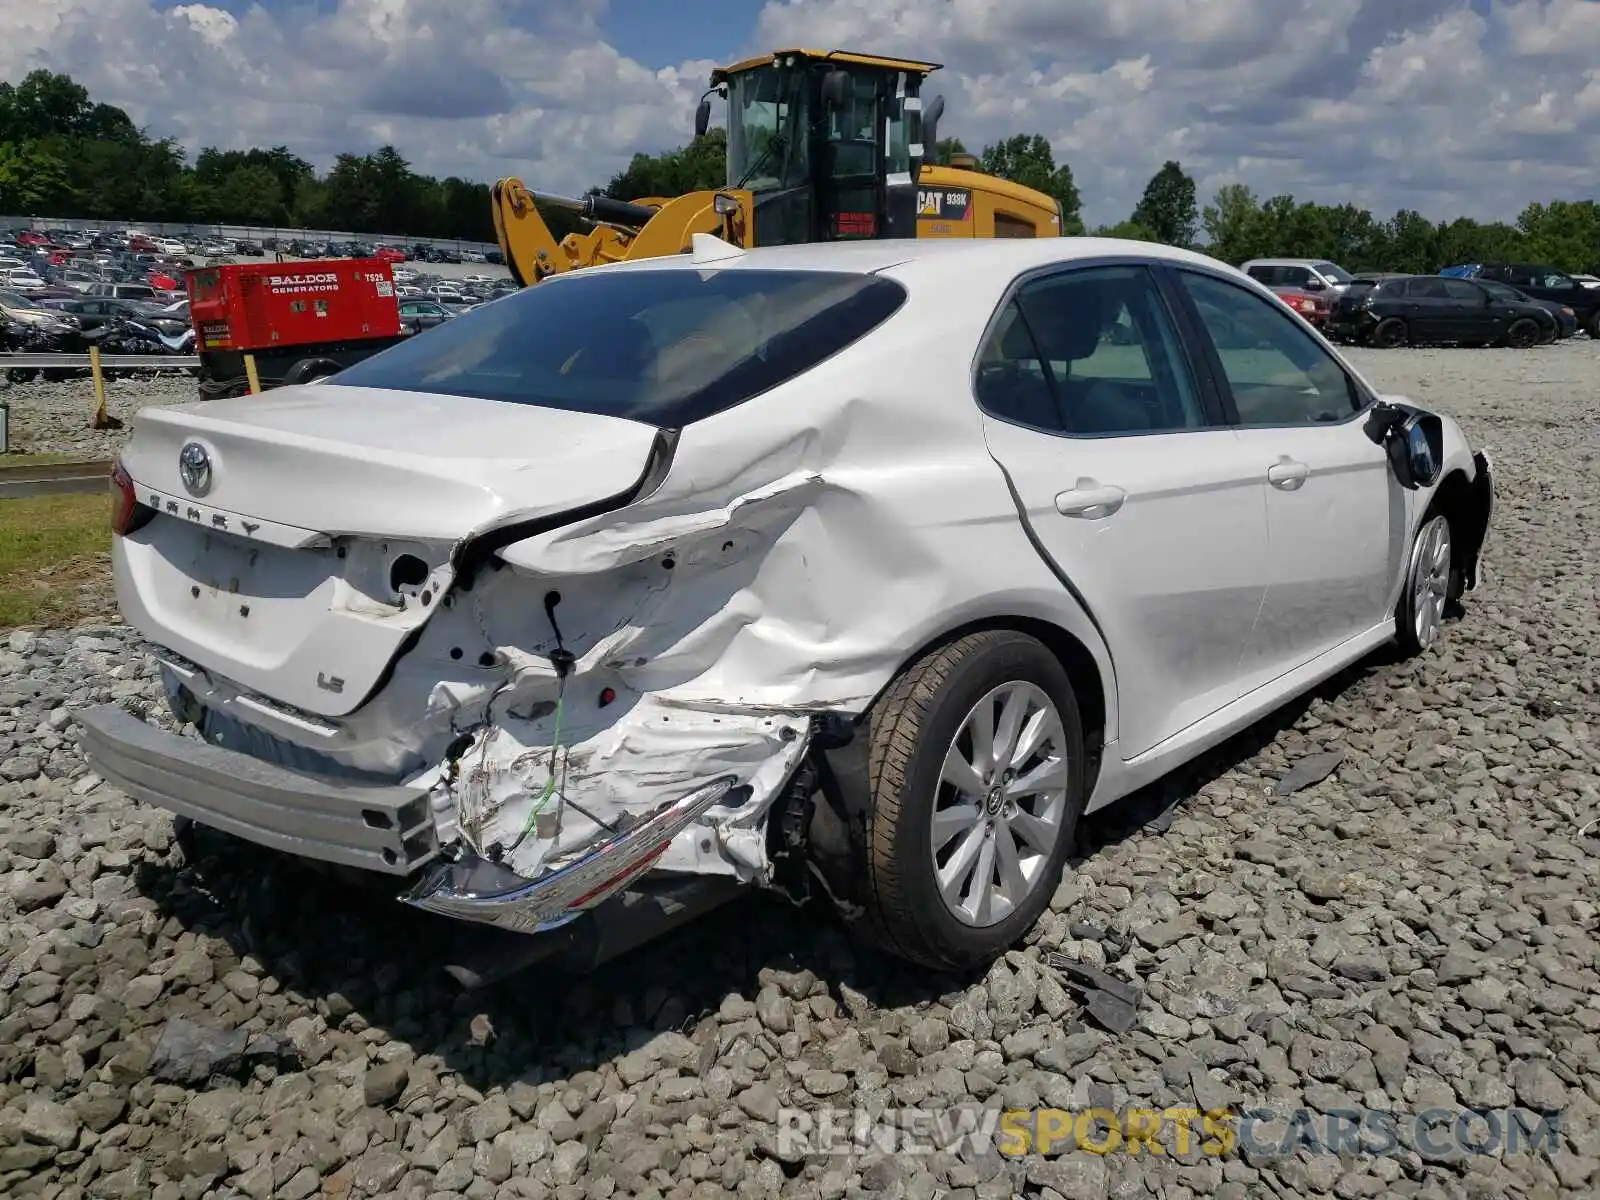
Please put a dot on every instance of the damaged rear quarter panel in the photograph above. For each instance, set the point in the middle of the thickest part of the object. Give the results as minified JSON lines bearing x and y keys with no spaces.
{"x":806,"y":543}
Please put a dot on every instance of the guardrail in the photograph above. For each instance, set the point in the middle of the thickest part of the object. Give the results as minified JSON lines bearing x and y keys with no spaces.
{"x":109,"y":362}
{"x":19,"y":480}
{"x":98,"y":364}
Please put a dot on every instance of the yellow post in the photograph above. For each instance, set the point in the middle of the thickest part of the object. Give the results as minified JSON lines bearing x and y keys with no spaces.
{"x":100,"y":415}
{"x":250,"y":373}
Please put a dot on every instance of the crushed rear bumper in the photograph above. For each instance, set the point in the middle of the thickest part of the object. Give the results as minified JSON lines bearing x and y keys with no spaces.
{"x":380,"y":828}
{"x":372,"y":827}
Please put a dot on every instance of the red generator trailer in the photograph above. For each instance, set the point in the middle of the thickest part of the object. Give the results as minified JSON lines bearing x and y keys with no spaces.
{"x":300,"y":320}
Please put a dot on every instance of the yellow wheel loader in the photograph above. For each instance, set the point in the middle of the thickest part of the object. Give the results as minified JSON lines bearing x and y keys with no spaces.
{"x":822,"y":146}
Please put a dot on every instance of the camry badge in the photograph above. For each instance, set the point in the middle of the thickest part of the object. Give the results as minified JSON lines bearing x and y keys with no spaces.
{"x":194,"y":468}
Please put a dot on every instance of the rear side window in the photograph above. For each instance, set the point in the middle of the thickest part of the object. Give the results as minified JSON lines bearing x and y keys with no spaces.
{"x":662,"y":347}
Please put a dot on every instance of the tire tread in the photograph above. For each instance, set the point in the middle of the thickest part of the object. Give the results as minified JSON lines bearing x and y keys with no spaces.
{"x":896,"y":727}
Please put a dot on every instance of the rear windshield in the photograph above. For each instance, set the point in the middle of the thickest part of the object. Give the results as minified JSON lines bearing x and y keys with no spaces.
{"x":663,"y":347}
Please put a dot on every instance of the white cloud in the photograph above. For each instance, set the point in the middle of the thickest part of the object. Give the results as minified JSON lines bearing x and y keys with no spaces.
{"x":1448,"y":106}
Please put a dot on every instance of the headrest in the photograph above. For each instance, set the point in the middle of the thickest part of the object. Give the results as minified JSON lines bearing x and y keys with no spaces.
{"x":1069,"y":319}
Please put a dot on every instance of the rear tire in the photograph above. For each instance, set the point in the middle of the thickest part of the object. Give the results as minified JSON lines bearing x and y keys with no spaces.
{"x":1391,"y":334}
{"x":1011,"y":827}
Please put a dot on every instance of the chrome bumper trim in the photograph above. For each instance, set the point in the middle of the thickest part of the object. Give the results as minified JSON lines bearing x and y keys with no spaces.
{"x":475,"y":889}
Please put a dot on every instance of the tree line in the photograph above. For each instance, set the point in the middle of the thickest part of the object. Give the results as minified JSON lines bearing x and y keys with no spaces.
{"x":64,"y":156}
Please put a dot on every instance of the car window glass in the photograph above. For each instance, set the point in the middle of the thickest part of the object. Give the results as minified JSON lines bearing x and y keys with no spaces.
{"x":663,"y":346}
{"x":1426,"y":288}
{"x":1010,"y":379}
{"x":1459,"y":289}
{"x":1277,"y":372}
{"x":1103,"y":347}
{"x":1555,"y":279}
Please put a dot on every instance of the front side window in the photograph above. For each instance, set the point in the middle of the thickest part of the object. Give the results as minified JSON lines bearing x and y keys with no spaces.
{"x":767,"y":123}
{"x":1462,"y":291}
{"x":1333,"y":272}
{"x":665,"y":347}
{"x":1091,"y":353}
{"x":1277,"y":372}
{"x":1556,"y":279}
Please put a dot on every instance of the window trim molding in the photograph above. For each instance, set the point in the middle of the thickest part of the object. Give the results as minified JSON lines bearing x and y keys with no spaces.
{"x":1210,"y":403}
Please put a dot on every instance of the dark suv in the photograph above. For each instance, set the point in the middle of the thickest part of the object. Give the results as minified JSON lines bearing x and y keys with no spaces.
{"x":1544,"y":282}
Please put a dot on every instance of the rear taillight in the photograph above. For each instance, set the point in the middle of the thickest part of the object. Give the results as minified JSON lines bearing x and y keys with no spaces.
{"x":127,"y":514}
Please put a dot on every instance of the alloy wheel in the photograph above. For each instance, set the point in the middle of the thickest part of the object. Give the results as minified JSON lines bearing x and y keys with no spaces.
{"x":1001,"y":803}
{"x":1431,"y":583}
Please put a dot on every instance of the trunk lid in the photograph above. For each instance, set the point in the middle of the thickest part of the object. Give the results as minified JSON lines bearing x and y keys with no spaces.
{"x":375,"y":463}
{"x":282,"y":571}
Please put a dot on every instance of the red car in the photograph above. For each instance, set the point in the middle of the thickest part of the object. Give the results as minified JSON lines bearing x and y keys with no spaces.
{"x":390,"y":254}
{"x":1313,"y":306}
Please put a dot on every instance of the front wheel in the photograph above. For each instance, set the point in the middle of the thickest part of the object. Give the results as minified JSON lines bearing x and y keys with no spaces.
{"x":976,"y":781}
{"x":1432,"y":581}
{"x":1523,"y":334}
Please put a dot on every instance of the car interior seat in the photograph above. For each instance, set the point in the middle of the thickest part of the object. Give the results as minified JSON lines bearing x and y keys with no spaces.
{"x":1069,"y":329}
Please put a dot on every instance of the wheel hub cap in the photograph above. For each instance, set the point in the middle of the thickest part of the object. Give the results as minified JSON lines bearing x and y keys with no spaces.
{"x":1432,"y":580}
{"x":1000,"y":807}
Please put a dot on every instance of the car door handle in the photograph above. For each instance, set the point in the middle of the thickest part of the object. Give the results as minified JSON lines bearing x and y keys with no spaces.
{"x":1090,"y":500}
{"x":1287,"y":474}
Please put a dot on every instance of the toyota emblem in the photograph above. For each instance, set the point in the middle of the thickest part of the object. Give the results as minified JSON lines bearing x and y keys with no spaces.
{"x":194,"y":468}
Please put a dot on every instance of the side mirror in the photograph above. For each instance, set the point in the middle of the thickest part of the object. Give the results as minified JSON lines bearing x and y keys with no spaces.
{"x":702,"y":118}
{"x":1314,"y":285}
{"x":836,"y":89}
{"x":1412,"y":440}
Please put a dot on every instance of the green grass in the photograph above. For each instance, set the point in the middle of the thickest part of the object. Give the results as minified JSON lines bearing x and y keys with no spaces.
{"x":54,"y":559}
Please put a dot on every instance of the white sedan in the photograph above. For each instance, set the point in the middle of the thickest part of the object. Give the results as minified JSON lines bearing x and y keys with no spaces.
{"x":860,"y":571}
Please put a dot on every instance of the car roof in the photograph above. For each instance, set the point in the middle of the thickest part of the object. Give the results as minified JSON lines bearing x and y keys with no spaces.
{"x":960,"y":257}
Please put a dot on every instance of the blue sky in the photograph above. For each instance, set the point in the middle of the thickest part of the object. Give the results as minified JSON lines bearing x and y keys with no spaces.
{"x":1452,"y":107}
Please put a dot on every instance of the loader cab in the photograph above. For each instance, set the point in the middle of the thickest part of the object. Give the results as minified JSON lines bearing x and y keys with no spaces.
{"x":827,"y":142}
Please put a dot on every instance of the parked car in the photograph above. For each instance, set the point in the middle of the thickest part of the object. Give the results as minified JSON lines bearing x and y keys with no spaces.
{"x":1306,"y":274}
{"x":1539,"y":281}
{"x":1313,"y":306}
{"x":26,"y":310}
{"x":417,"y":315}
{"x":1566,"y":320}
{"x":1436,"y":310}
{"x":1588,"y":281}
{"x":122,"y":291}
{"x":390,"y":254}
{"x":565,"y":605}
{"x":20,"y":279}
{"x":92,"y":312}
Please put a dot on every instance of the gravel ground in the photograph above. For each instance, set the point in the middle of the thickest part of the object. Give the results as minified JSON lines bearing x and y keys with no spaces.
{"x":1417,"y":930}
